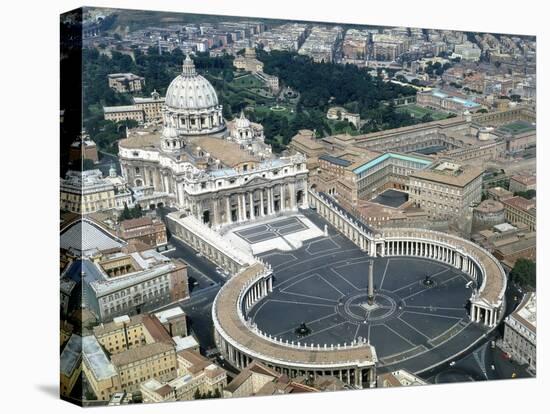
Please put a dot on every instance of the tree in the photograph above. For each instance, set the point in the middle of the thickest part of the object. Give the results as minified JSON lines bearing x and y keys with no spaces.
{"x":524,"y":273}
{"x":125,"y":215}
{"x":529,"y":194}
{"x":88,"y":164}
{"x":427,"y":118}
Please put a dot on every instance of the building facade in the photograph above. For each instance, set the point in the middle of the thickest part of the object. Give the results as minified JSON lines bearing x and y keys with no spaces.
{"x":521,"y":210}
{"x":125,"y":82}
{"x":520,"y":332}
{"x":211,"y":171}
{"x":447,"y":190}
{"x":145,"y":229}
{"x":89,"y":192}
{"x":143,"y":110}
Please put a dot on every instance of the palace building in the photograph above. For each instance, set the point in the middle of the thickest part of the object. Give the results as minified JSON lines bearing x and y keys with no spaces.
{"x":220,"y":172}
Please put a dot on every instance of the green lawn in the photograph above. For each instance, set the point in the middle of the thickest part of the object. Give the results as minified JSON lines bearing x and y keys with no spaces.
{"x":247,"y":81}
{"x":264,"y":110}
{"x":419,"y":111}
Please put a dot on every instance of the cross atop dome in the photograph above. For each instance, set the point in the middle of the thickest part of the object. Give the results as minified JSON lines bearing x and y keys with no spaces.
{"x":188,"y":68}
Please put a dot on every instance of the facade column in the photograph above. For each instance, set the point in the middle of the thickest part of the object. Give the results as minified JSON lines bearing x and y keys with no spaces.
{"x":293,"y":196}
{"x":228,"y":209}
{"x":262,"y":203}
{"x":272,"y":201}
{"x":239,"y":209}
{"x":282,"y":198}
{"x":306,"y":191}
{"x":251,"y":198}
{"x":215,"y":222}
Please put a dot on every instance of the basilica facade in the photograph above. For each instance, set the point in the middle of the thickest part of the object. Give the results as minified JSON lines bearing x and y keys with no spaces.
{"x":220,"y":172}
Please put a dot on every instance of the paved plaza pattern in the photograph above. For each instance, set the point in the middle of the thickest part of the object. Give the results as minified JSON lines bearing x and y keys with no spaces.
{"x":271,"y":230}
{"x":285,"y":233}
{"x":324,"y":285}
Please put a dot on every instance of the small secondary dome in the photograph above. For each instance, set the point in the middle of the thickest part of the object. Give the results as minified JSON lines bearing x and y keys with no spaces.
{"x":242,"y":121}
{"x":190,"y":91}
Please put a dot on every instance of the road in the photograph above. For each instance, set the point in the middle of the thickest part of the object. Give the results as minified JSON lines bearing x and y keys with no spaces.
{"x":484,"y":362}
{"x":199,"y":307}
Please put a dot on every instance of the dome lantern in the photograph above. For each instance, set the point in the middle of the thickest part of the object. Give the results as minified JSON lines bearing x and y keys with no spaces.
{"x":188,"y":67}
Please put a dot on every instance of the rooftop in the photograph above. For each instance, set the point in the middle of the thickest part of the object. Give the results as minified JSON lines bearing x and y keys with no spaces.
{"x":185,"y":342}
{"x":525,"y":179}
{"x":96,"y":359}
{"x":503,"y":227}
{"x":520,"y":203}
{"x":335,"y":160}
{"x":116,"y":324}
{"x":488,"y":206}
{"x":391,"y":155}
{"x":229,"y":153}
{"x":460,"y":177}
{"x":165,"y":315}
{"x":121,"y":108}
{"x":143,"y":352}
{"x":137,"y":222}
{"x":527,"y":311}
{"x":88,"y":237}
{"x":70,"y":357}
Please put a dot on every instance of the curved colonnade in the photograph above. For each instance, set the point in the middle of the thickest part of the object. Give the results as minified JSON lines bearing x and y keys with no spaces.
{"x":240,"y":342}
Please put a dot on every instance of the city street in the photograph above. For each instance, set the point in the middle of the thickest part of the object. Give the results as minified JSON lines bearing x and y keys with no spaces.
{"x":208,"y":282}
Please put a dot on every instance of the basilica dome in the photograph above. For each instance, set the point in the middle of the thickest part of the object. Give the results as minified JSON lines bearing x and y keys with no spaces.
{"x":190,"y":90}
{"x":191,"y":106}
